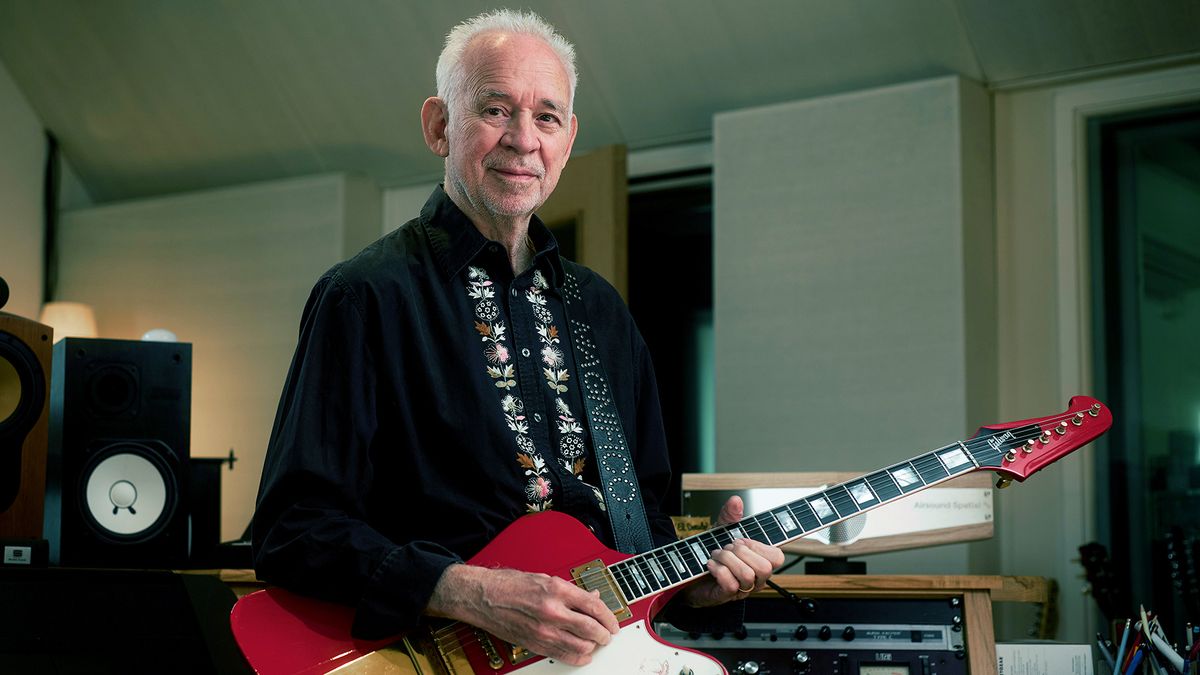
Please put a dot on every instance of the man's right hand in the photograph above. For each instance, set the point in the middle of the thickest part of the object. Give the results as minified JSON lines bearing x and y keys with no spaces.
{"x":544,"y":614}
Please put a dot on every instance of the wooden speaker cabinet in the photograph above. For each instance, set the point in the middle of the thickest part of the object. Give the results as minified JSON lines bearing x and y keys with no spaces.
{"x":25,"y":357}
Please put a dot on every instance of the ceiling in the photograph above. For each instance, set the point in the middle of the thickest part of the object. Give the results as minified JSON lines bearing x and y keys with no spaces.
{"x":153,"y":97}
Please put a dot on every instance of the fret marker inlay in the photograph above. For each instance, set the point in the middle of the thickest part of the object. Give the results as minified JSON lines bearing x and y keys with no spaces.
{"x":905,"y":476}
{"x":861,"y":493}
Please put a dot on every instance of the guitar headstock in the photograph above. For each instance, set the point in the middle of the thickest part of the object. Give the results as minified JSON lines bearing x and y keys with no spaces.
{"x":1026,"y":447}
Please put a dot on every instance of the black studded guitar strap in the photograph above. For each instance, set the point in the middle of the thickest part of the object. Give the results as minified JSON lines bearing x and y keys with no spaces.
{"x":622,"y":494}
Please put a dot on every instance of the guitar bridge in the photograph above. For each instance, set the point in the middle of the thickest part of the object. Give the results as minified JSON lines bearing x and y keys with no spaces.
{"x":594,"y":576}
{"x":485,"y":643}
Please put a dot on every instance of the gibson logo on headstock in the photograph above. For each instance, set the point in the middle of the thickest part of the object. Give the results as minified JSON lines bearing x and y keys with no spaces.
{"x":997,"y":441}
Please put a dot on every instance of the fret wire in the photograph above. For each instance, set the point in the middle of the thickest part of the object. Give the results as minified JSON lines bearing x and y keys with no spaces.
{"x":774,"y":524}
{"x":622,"y":578}
{"x":684,"y":553}
{"x":766,"y":536}
{"x":668,"y":567}
{"x":829,"y":500}
{"x":647,"y":573}
{"x":937,"y":454}
{"x":782,"y":530}
{"x":969,"y":455}
{"x":840,"y":491}
{"x":891,"y":481}
{"x":806,"y":511}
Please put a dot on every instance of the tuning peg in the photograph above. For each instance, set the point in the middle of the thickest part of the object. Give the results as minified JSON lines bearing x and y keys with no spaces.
{"x":1010,"y":456}
{"x":1045,"y":436}
{"x":1094,"y":410}
{"x":1077,"y":419}
{"x":1061,"y":428}
{"x":1002,"y":483}
{"x":1029,"y":446}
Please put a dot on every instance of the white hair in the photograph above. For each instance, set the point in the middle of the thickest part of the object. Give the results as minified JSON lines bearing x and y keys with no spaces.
{"x":450,"y":74}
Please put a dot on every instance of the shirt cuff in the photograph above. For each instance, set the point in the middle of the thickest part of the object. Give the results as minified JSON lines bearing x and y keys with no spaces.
{"x":399,"y":590}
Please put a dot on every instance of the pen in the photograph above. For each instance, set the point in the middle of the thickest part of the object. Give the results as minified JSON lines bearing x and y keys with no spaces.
{"x":1167,"y":653}
{"x":1121,"y":650}
{"x":1154,"y":664}
{"x":1105,"y":645}
{"x":1135,"y":661}
{"x":1134,"y":647}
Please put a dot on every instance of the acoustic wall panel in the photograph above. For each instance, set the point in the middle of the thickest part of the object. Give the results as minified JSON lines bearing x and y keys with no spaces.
{"x":854,"y":274}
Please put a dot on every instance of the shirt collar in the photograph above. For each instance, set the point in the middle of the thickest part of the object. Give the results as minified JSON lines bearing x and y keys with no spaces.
{"x":455,"y":241}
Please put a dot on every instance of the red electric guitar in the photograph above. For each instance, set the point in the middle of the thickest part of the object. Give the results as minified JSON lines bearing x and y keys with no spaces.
{"x":280,"y":632}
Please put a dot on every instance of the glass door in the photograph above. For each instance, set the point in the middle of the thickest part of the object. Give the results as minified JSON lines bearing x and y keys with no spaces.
{"x":1145,"y":201}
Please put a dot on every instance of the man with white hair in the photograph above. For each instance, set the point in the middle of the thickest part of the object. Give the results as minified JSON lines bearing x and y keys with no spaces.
{"x":435,"y":394}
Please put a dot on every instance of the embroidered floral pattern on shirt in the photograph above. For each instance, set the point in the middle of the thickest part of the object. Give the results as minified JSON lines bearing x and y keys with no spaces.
{"x":503,"y":374}
{"x":572,"y":451}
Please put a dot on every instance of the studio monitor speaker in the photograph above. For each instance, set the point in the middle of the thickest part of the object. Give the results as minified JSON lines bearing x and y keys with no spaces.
{"x":117,"y":489}
{"x":24,"y":413}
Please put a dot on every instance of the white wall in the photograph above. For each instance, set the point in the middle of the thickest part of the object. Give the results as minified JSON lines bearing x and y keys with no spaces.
{"x":228,"y":271}
{"x":22,"y":163}
{"x":402,"y":204}
{"x":855,"y":281}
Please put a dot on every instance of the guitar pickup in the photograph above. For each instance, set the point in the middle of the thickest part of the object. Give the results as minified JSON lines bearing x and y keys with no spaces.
{"x":594,"y":576}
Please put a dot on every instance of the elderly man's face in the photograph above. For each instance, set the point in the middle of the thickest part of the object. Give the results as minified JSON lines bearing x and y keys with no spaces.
{"x":510,"y":132}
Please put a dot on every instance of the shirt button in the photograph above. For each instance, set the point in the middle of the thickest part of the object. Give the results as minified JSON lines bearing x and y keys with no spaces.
{"x":525,"y":352}
{"x":537,"y":417}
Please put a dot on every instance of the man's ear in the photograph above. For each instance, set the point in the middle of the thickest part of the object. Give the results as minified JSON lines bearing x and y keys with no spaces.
{"x":434,"y":119}
{"x":574,"y":130}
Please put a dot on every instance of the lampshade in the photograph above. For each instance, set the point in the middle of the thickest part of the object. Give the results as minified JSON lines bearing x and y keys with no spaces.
{"x":69,"y":319}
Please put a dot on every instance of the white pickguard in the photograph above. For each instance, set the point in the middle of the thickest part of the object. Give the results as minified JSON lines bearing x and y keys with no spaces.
{"x":634,"y":651}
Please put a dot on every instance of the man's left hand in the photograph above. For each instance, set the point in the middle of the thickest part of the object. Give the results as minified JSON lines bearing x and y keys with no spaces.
{"x":738,"y":569}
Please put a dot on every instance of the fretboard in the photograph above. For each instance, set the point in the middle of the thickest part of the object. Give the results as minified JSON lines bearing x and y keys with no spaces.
{"x":677,"y":563}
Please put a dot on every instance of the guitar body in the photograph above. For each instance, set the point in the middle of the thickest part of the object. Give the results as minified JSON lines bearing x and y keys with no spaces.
{"x":280,"y":632}
{"x":284,"y":633}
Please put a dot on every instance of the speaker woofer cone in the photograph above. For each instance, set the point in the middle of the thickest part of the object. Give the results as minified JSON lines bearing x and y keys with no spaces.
{"x":22,"y":396}
{"x":22,"y":376}
{"x":127,"y":493}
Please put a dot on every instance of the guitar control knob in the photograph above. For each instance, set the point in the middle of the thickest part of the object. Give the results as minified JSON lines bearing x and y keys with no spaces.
{"x":747,"y":668}
{"x":740,"y":633}
{"x":801,"y":633}
{"x":848,"y":633}
{"x":801,"y":663}
{"x":825,"y":633}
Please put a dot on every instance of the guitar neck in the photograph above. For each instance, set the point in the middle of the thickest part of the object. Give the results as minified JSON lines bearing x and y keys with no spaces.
{"x":682,"y":561}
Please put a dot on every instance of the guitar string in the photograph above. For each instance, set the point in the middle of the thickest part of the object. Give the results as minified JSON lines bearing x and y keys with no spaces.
{"x":465,"y":634}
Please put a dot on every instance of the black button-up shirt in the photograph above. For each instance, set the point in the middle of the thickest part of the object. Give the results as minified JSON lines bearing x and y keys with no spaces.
{"x":432,"y":401}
